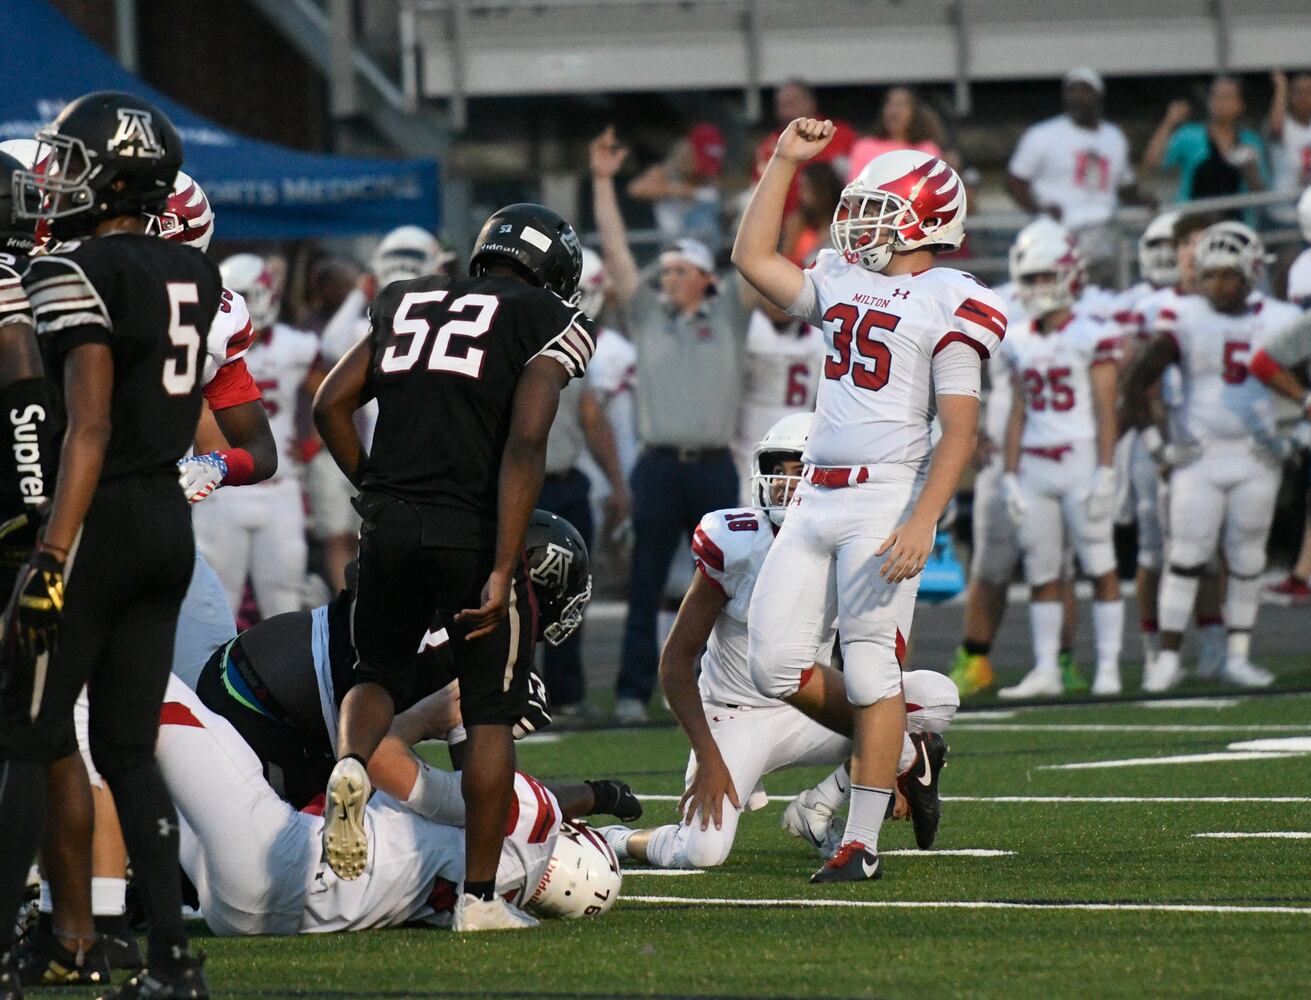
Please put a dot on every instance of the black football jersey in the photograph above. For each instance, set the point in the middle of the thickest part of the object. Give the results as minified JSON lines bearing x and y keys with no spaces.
{"x":25,"y":471}
{"x":151,"y":302}
{"x":446,"y":359}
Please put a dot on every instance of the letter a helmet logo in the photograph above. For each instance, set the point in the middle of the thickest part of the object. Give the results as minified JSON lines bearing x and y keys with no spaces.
{"x":552,"y":572}
{"x":136,"y":135}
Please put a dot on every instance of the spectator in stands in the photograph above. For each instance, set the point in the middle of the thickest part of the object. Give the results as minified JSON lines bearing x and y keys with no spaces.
{"x":1074,"y":167}
{"x":905,"y":122}
{"x":806,"y":231}
{"x":1289,"y":132}
{"x":1215,"y":158}
{"x":795,"y":99}
{"x":688,"y":328}
{"x":684,"y":187}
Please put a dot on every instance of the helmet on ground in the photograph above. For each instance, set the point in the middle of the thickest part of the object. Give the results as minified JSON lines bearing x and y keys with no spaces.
{"x":583,"y":877}
{"x":1157,"y":259}
{"x":536,"y":242}
{"x":1046,"y":267}
{"x":1230,"y":245}
{"x":251,"y":277}
{"x":785,"y":441}
{"x":186,"y":218}
{"x":903,"y":200}
{"x":561,"y":577}
{"x":107,"y":154}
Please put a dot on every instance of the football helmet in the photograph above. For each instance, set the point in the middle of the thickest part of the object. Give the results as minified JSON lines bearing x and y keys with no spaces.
{"x":1230,"y":245}
{"x":582,"y":879}
{"x":1157,"y":260}
{"x":592,"y":284}
{"x":250,"y":276}
{"x":534,"y":240}
{"x":406,"y":252}
{"x":17,"y":236}
{"x":1304,"y":214}
{"x":785,"y":441}
{"x":560,"y":573}
{"x":186,"y":218}
{"x":903,"y":200}
{"x":106,"y":154}
{"x":1046,"y":249}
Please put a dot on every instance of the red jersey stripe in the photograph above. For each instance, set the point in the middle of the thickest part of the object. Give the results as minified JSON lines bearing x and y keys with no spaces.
{"x":705,"y":549}
{"x":984,"y":315}
{"x":956,"y":337}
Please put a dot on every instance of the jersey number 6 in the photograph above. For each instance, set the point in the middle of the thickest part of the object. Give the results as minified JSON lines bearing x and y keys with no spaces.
{"x":879,"y":356}
{"x":441,"y":359}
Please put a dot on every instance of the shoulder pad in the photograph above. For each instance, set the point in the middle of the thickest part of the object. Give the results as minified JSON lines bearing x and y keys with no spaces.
{"x":727,"y":543}
{"x":14,"y":307}
{"x":62,"y":294}
{"x":230,"y":333}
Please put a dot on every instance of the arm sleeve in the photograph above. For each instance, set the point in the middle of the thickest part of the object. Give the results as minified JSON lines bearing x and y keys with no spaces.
{"x":805,"y":306}
{"x":231,"y":385}
{"x":957,"y":371}
{"x":66,"y":305}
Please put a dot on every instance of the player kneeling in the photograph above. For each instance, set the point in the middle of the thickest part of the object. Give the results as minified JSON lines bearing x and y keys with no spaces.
{"x":738,"y":734}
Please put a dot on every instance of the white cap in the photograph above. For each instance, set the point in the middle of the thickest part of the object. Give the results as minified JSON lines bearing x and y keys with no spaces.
{"x":1085,"y":74}
{"x":691,"y":251}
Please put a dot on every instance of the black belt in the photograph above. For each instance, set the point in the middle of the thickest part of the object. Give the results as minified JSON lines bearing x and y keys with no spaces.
{"x":688,"y":454}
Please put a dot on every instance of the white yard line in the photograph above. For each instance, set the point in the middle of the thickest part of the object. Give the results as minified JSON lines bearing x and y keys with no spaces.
{"x":1263,"y":835}
{"x":952,"y":904}
{"x":1064,"y":799}
{"x":663,"y":871}
{"x":1188,"y":758}
{"x":1128,"y":727}
{"x":1284,"y":745}
{"x":958,"y":852}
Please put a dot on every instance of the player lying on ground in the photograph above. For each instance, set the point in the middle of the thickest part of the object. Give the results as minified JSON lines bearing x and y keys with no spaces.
{"x":738,"y":734}
{"x":257,"y":863}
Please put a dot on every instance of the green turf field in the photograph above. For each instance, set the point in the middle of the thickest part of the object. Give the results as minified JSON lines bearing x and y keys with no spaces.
{"x":1107,"y":891}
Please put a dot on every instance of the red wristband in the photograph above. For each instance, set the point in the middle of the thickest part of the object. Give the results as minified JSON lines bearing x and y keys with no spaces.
{"x":1264,"y":367}
{"x":241,"y":467}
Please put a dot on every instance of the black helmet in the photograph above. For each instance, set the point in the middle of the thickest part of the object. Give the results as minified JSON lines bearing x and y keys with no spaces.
{"x":537,"y":242}
{"x":558,"y":569}
{"x":107,"y":154}
{"x":17,"y":236}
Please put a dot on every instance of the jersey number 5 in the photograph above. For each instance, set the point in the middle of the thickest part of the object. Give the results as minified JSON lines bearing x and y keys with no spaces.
{"x":849,"y":319}
{"x":441,"y":359}
{"x":180,"y":367}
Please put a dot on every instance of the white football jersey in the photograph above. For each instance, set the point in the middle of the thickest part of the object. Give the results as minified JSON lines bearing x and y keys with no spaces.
{"x":1053,"y":370}
{"x":229,"y":337}
{"x":729,"y":547}
{"x":279,"y":362}
{"x":1299,"y":280}
{"x":1222,"y":399}
{"x":612,"y":375}
{"x":783,"y":369}
{"x":875,"y":400}
{"x":997,"y":405}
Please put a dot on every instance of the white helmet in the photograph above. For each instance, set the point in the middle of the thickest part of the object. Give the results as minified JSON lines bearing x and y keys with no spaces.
{"x":251,"y":277}
{"x":1045,"y":247}
{"x":22,"y":150}
{"x":900,"y":201}
{"x":1303,"y":213}
{"x":187,"y":217}
{"x":1230,"y":245}
{"x":785,"y":440}
{"x":406,"y":252}
{"x":582,"y":878}
{"x":1157,"y":259}
{"x":593,"y":284}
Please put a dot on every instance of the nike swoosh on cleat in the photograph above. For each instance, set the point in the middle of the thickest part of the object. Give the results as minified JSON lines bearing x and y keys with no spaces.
{"x":870,"y":869}
{"x":927,"y":778}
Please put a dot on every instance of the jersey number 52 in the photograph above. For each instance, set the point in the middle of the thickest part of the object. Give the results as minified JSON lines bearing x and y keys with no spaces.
{"x":401,"y":356}
{"x":874,"y":367}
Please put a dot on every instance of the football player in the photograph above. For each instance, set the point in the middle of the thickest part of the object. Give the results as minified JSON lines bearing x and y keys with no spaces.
{"x":738,"y":734}
{"x":901,"y":332}
{"x":1223,"y":487}
{"x":467,"y":373}
{"x":1299,"y":272}
{"x":1060,"y":479}
{"x":259,"y":532}
{"x":121,"y":322}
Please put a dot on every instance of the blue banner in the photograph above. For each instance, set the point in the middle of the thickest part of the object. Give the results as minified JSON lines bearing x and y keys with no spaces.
{"x":258,"y":190}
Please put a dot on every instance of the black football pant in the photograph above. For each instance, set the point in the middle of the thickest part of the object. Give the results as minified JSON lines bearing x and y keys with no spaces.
{"x":124,"y":584}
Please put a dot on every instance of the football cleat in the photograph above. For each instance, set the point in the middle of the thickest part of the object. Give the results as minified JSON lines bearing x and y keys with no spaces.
{"x":1163,"y":673}
{"x":45,"y":961}
{"x":630,"y":712}
{"x":1244,"y":673}
{"x":184,"y":979}
{"x":809,"y":818}
{"x":615,"y":798}
{"x":1292,"y":590}
{"x":120,"y":944}
{"x":1037,"y":683}
{"x":920,"y":786}
{"x":1106,"y":681}
{"x":617,"y":837}
{"x":971,"y":672}
{"x":1074,"y":682}
{"x":851,"y":863}
{"x":474,"y":914}
{"x":345,"y":844}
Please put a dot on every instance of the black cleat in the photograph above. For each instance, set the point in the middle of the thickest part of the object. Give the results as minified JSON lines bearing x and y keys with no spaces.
{"x":852,"y":863}
{"x":184,"y":979}
{"x":45,"y":961}
{"x":615,"y":798}
{"x":120,"y":944}
{"x":920,"y":786}
{"x":9,"y":985}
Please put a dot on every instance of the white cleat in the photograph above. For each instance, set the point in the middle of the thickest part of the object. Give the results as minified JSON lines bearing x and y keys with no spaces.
{"x":811,"y":820}
{"x":1037,"y":683}
{"x":1246,"y":674}
{"x":1106,"y":682}
{"x":617,"y":837}
{"x":474,"y":914}
{"x":1164,"y":673}
{"x":758,"y":798}
{"x":345,"y":844}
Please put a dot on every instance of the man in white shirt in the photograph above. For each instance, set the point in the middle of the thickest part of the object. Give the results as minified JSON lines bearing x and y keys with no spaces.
{"x":1075,"y":166}
{"x":1289,"y":129}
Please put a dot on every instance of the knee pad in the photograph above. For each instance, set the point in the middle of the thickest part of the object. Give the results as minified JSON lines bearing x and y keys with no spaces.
{"x":1245,"y":555}
{"x":930,"y":689}
{"x":871,"y":672}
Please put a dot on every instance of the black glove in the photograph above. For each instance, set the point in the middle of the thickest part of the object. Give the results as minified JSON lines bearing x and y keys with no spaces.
{"x":537,"y":717}
{"x":37,"y":606}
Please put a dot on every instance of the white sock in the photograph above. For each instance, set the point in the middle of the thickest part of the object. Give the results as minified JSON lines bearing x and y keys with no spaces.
{"x":1238,"y":646}
{"x":866,"y":815}
{"x":1108,"y":633}
{"x":1175,"y":604}
{"x":1045,"y":625}
{"x":667,"y":847}
{"x":1167,"y":661}
{"x":834,"y":790}
{"x":108,"y":896}
{"x":1241,"y":597}
{"x":908,"y":754}
{"x":45,"y":905}
{"x":1151,"y":643}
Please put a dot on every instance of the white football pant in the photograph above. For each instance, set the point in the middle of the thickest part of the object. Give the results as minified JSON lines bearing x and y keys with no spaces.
{"x":1057,"y":492}
{"x":996,"y":539}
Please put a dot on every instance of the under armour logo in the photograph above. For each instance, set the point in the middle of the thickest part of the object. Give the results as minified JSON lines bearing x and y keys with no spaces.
{"x":167,"y":829}
{"x":552,"y":572}
{"x":897,"y":293}
{"x":434,"y":640}
{"x":136,"y":135}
